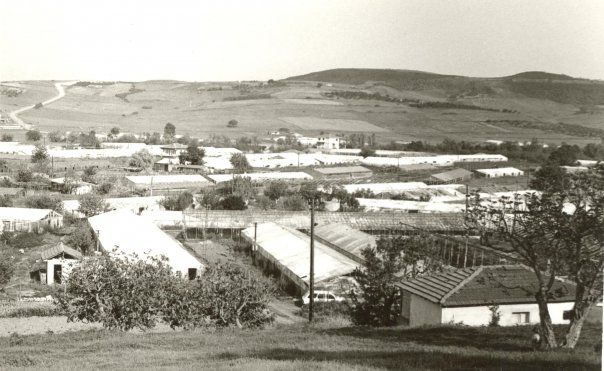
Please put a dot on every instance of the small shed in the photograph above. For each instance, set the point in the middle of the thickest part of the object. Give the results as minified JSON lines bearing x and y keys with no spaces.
{"x":468,"y":295}
{"x":451,"y":176}
{"x":55,"y":264}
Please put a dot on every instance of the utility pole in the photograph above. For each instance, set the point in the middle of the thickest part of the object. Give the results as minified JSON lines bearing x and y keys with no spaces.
{"x":467,"y":199}
{"x":254,"y":247}
{"x":312,"y":260}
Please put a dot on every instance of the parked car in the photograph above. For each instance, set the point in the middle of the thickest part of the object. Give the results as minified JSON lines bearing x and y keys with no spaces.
{"x":322,"y":296}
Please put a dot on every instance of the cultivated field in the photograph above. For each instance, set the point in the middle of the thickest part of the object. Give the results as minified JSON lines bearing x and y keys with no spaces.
{"x":203,"y":109}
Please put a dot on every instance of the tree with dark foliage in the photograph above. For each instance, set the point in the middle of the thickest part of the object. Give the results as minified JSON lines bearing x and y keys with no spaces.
{"x":393,"y":259}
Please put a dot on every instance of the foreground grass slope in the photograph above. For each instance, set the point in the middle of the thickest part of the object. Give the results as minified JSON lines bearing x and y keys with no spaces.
{"x":300,"y":347}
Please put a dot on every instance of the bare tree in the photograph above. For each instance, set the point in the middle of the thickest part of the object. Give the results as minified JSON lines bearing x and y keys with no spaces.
{"x":557,"y":233}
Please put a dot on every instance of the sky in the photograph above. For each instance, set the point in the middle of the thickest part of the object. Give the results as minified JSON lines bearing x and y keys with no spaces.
{"x":199,"y":40}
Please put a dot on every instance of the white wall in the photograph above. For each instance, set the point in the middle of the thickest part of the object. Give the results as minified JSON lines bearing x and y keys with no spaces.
{"x":481,"y":315}
{"x":67,"y":266}
{"x":422,"y":311}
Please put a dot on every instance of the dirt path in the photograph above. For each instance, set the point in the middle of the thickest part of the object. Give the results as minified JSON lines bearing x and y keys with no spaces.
{"x":41,"y":325}
{"x":60,"y":86}
{"x":285,"y":312}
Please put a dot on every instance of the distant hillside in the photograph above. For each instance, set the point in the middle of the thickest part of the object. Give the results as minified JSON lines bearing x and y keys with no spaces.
{"x":535,"y":84}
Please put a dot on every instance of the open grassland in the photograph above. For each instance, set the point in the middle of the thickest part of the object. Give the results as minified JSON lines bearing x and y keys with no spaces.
{"x":300,"y":347}
{"x":203,"y":109}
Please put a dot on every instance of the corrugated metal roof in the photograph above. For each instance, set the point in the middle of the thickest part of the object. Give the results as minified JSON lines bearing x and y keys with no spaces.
{"x":60,"y":249}
{"x":487,"y":285}
{"x":255,"y":177}
{"x":167,"y":179}
{"x":448,"y":176}
{"x":342,"y":170}
{"x":291,"y":249}
{"x":345,"y":238}
{"x":128,"y":234}
{"x":301,"y":219}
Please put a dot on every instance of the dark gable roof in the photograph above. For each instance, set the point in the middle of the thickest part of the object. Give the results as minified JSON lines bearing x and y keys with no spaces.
{"x":60,"y":249}
{"x":452,"y":174}
{"x":508,"y":284}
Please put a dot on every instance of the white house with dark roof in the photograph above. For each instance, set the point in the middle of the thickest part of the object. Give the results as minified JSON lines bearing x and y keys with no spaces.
{"x":465,"y":296}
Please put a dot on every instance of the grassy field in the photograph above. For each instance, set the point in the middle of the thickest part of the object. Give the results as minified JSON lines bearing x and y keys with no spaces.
{"x":204,"y":109}
{"x":299,"y":347}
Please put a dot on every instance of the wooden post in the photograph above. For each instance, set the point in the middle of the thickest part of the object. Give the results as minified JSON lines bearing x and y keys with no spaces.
{"x":312,"y":260}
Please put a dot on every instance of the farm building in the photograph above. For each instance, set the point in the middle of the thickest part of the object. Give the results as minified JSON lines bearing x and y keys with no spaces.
{"x":262,"y":177}
{"x":168,"y":183}
{"x":288,"y":251}
{"x":123,"y":233}
{"x":329,"y":142}
{"x":499,"y":172}
{"x":344,"y":172}
{"x":416,"y":167}
{"x":373,"y":223}
{"x":379,"y":204}
{"x":55,"y":264}
{"x":377,"y":188}
{"x":451,"y":176}
{"x":173,"y":150}
{"x":440,"y":160}
{"x":574,"y":169}
{"x":76,"y":188}
{"x":219,"y":152}
{"x":19,"y":219}
{"x":166,"y":164}
{"x":465,"y":295}
{"x":345,"y":240}
{"x":588,"y":163}
{"x":217,"y":164}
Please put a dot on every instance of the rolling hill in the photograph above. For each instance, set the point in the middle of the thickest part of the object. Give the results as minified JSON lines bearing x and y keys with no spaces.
{"x":392,"y":104}
{"x":534,"y":84}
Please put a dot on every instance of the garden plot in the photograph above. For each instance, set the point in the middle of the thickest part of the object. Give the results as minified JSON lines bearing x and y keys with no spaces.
{"x":315,"y":123}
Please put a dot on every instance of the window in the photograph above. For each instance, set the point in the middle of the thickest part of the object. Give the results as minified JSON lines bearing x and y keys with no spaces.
{"x":567,"y":314}
{"x":321,"y":296}
{"x":521,"y":317}
{"x":331,"y":297}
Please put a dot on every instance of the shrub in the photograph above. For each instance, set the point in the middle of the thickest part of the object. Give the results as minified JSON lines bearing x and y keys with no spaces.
{"x":89,"y":173}
{"x":293,"y":203}
{"x":178,"y":202}
{"x":40,"y":154}
{"x":276,"y":189}
{"x":233,"y":202}
{"x":145,"y":292}
{"x":56,"y":136}
{"x":7,"y":269}
{"x":232,"y":123}
{"x":24,"y":175}
{"x":6,"y":138}
{"x":495,"y":315}
{"x":33,"y":135}
{"x":92,"y":204}
{"x":6,"y":201}
{"x":142,"y":159}
{"x":22,"y":240}
{"x":81,"y":238}
{"x":104,"y":188}
{"x":45,"y":201}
